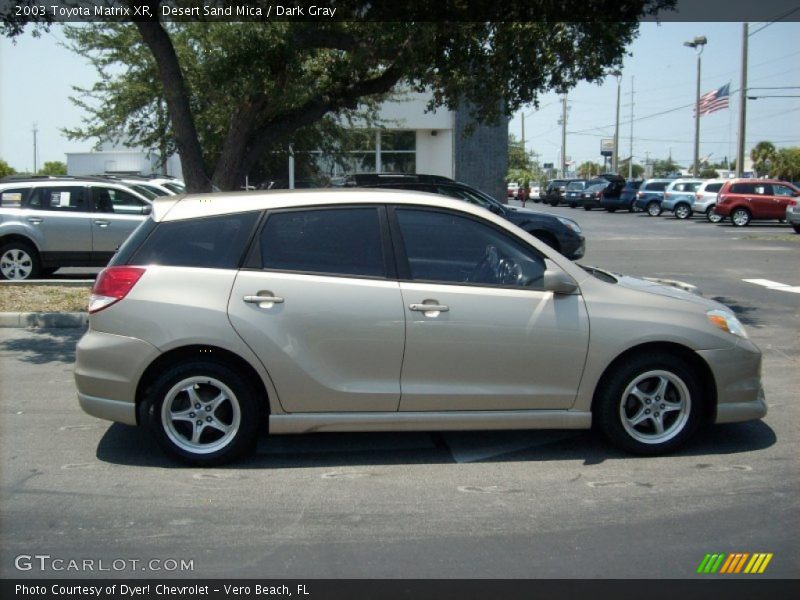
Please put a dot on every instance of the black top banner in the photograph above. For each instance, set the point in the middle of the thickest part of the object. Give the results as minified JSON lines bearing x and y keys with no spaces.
{"x":407,"y":10}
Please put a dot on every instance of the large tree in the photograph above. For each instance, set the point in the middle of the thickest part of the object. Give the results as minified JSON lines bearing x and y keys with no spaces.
{"x":763,"y":155}
{"x":227,"y":93}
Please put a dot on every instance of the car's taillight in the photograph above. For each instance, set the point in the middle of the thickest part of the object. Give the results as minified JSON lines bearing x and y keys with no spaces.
{"x":639,"y":194}
{"x":698,"y":196}
{"x":666,"y":195}
{"x":112,"y":285}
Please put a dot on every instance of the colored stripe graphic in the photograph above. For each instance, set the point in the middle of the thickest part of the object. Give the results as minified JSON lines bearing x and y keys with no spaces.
{"x":734,"y":563}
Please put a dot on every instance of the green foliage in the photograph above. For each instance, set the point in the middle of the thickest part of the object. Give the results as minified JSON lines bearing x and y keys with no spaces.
{"x":665,"y":168}
{"x":253,"y":88}
{"x":589,"y":169}
{"x":787,"y":164}
{"x":762,"y":155}
{"x":709,"y":173}
{"x":637,"y":171}
{"x":6,"y":169}
{"x":55,"y":167}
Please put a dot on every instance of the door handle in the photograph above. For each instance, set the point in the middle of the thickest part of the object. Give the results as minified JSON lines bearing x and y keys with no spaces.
{"x":102,"y":223}
{"x":263,"y":300}
{"x":34,"y":220}
{"x":430,"y":309}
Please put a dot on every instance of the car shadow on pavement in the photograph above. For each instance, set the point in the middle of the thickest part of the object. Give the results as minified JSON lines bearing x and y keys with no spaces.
{"x":45,"y":345}
{"x":743,"y":313}
{"x":133,"y":446}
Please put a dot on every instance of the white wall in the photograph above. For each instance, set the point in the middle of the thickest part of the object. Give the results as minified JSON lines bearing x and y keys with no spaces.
{"x":435,"y":152}
{"x":407,"y":111}
{"x":95,"y":163}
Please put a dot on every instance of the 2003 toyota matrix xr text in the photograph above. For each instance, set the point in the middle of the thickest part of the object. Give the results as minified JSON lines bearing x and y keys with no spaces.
{"x":226,"y":315}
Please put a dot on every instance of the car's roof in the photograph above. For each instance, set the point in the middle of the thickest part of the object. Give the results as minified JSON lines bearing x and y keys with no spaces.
{"x":169,"y":208}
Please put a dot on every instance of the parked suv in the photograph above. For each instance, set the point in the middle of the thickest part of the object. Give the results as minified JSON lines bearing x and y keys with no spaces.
{"x":746,"y":199}
{"x":560,"y":233}
{"x":624,"y":200}
{"x":555,"y":190}
{"x":46,"y":224}
{"x":705,"y":199}
{"x":224,"y":316}
{"x":679,"y":197}
{"x":650,"y":195}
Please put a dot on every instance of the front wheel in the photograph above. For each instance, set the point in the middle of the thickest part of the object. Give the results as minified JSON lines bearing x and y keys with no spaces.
{"x":683,"y":211}
{"x":713,"y":217}
{"x":203,"y":413}
{"x":19,"y":261}
{"x":649,"y":405}
{"x":740,"y":217}
{"x":653,"y":209}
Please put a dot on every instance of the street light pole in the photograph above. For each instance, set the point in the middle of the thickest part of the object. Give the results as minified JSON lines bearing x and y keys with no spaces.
{"x":698,"y":44}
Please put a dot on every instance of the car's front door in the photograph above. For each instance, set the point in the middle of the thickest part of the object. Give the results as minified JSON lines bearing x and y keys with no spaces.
{"x":319,"y":304}
{"x":481,"y":333}
{"x":782,"y":196}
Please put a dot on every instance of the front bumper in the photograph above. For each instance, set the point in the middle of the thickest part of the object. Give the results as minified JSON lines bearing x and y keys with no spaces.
{"x":107,"y":372}
{"x":737,"y":375}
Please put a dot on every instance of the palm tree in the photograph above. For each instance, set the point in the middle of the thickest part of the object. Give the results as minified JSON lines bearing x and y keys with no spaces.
{"x":763,"y":154}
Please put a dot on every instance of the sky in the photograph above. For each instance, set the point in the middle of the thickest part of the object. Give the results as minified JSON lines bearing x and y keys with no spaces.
{"x":37,"y":75}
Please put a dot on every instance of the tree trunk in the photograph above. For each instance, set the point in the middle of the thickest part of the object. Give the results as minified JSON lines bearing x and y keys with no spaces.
{"x":177,"y":98}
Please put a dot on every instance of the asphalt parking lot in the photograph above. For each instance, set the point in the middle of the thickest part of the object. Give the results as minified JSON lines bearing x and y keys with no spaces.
{"x":536,"y":504}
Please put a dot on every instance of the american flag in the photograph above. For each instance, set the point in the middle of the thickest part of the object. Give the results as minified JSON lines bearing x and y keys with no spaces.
{"x":716,"y":100}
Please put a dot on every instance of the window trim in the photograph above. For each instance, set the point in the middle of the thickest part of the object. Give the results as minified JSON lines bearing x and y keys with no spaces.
{"x":252,"y":261}
{"x":404,"y":267}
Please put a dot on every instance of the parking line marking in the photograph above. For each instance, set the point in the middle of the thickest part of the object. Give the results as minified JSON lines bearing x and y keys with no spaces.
{"x":775,"y":285}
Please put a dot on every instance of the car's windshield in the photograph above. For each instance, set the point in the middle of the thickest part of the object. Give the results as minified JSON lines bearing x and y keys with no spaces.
{"x":597,"y":187}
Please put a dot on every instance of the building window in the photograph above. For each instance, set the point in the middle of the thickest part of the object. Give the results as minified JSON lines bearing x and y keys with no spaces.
{"x":392,"y":151}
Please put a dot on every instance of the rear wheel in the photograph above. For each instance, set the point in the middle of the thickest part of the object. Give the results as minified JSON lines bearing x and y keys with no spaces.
{"x":683,"y":211}
{"x":649,"y":405}
{"x":653,"y":208}
{"x":18,"y":261}
{"x":713,"y":217}
{"x":203,"y":413}
{"x":740,"y":217}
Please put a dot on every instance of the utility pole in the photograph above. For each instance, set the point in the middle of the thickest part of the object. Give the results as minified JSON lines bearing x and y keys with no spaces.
{"x":615,"y":156}
{"x":630,"y":161}
{"x":564,"y":136}
{"x":742,"y":105}
{"x":35,"y":131}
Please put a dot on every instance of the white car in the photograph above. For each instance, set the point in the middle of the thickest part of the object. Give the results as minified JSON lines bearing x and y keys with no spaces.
{"x":705,"y":199}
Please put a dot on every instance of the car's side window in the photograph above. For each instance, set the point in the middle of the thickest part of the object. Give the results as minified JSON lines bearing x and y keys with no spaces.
{"x":13,"y":198}
{"x":57,"y":198}
{"x":449,"y":248}
{"x":112,"y":200}
{"x":211,"y":242}
{"x":782,"y":190}
{"x":336,"y":241}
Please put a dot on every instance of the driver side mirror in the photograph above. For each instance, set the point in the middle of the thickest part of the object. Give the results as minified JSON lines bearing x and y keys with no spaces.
{"x":557,"y":281}
{"x":147,"y":209}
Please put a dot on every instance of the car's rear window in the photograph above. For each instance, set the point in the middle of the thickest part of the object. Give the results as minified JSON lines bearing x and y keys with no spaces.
{"x":211,"y":242}
{"x":749,"y":188}
{"x":655,"y":186}
{"x":13,"y":198}
{"x":713,"y":187}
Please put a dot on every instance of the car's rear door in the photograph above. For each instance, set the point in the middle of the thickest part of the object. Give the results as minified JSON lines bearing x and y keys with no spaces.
{"x":481,"y":334}
{"x":319,"y":304}
{"x":115,"y":214}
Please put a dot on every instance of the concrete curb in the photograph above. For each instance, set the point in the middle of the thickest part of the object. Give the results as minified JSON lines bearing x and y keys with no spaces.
{"x":43,"y":319}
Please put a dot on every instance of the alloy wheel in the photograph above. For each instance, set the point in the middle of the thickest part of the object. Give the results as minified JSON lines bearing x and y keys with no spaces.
{"x":655,"y":407}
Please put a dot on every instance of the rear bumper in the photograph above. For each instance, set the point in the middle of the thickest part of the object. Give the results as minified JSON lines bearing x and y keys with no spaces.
{"x":107,"y":372}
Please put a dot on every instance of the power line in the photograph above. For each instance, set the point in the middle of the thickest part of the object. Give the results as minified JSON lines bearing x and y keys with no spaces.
{"x":780,"y":17}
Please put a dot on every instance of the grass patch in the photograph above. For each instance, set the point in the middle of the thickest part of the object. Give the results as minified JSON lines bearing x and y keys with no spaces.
{"x":43,"y":298}
{"x":780,"y":237}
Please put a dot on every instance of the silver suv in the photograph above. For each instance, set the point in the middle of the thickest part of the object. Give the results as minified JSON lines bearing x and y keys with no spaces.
{"x":46,"y":224}
{"x":227,"y":315}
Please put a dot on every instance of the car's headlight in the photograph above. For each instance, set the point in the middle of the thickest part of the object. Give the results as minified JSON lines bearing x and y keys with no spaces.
{"x":727,"y":322}
{"x":571,"y":224}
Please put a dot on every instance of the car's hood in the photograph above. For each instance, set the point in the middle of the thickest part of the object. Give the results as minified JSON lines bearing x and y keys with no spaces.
{"x":664,"y":287}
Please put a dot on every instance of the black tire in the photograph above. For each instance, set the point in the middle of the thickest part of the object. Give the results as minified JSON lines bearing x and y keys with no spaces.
{"x":587,"y":208}
{"x":653,"y":208}
{"x":682,"y":211}
{"x":740,"y":217}
{"x":682,"y":388}
{"x":19,"y":261}
{"x":713,"y":217}
{"x":240,"y":412}
{"x":611,"y":210}
{"x":631,"y":209}
{"x":553,"y":202}
{"x":796,"y":228}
